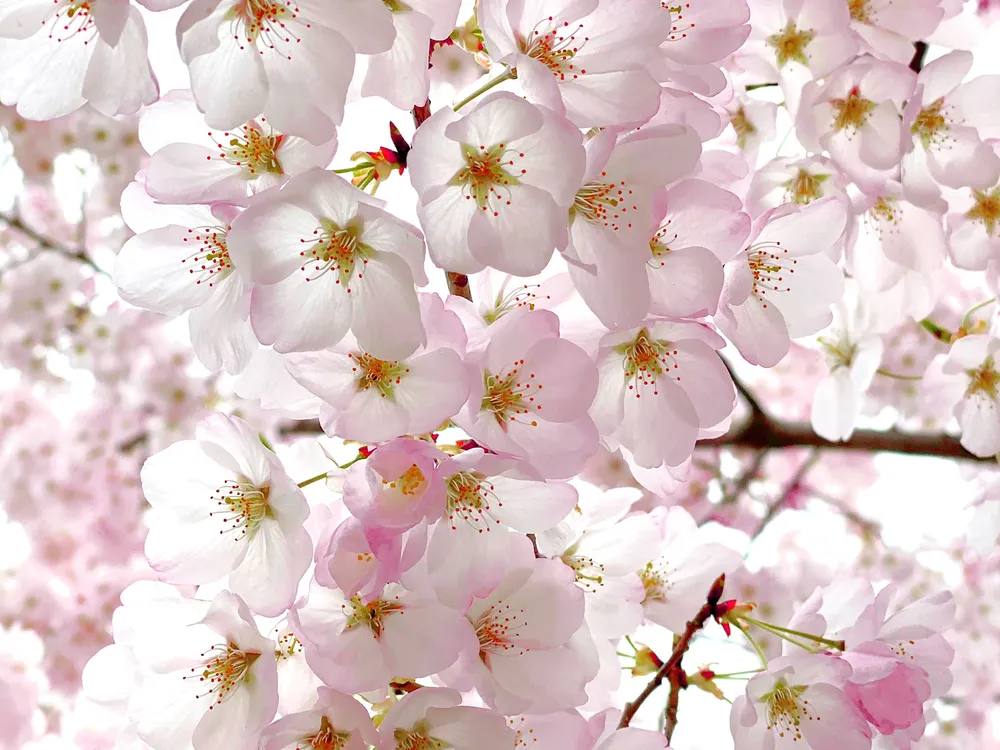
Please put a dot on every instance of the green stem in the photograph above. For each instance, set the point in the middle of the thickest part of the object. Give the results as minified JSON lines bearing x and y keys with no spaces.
{"x":313,"y":480}
{"x":352,"y":462}
{"x":367,"y":180}
{"x":755,"y":86}
{"x":629,"y":639}
{"x":941,"y":334}
{"x":980,"y":306}
{"x":730,"y":675}
{"x":756,"y":647}
{"x":777,"y":630}
{"x":356,"y":168}
{"x":505,"y":76}
{"x":895,"y":376}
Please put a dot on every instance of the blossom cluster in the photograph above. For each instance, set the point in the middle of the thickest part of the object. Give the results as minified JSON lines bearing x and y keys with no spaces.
{"x":498,"y":505}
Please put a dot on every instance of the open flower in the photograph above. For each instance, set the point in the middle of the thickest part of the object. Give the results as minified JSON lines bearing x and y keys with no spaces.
{"x":334,"y":721}
{"x":495,"y":183}
{"x":223,"y":505}
{"x":435,"y":718}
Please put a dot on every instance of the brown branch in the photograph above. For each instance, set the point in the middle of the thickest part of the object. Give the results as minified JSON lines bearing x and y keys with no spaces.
{"x":791,"y":487}
{"x":680,"y":647}
{"x":919,"y":53}
{"x":748,"y":475}
{"x":678,"y":680}
{"x":47,"y":243}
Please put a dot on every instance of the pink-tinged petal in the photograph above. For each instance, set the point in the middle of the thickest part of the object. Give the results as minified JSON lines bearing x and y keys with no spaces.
{"x":229,"y":82}
{"x":618,"y":293}
{"x":153,"y":271}
{"x":631,"y":738}
{"x":980,"y":425}
{"x":386,"y":311}
{"x":945,"y":74}
{"x":425,"y":639}
{"x":827,"y":52}
{"x":499,"y":118}
{"x":296,"y":315}
{"x":498,"y":35}
{"x":964,"y":160}
{"x":42,"y":76}
{"x":330,"y":375}
{"x":813,"y":229}
{"x":400,"y":75}
{"x":433,"y":158}
{"x":192,"y":552}
{"x":518,"y":234}
{"x":266,"y":242}
{"x":842,"y":726}
{"x":608,"y":98}
{"x":517,"y":332}
{"x":531,"y":507}
{"x":386,"y":233}
{"x":701,"y":214}
{"x":185,"y":173}
{"x":220,"y":330}
{"x":549,"y":680}
{"x":660,"y":424}
{"x":470,"y":728}
{"x":538,"y":84}
{"x":372,"y":417}
{"x":119,"y":80}
{"x":567,"y":374}
{"x":705,"y":379}
{"x":557,"y":450}
{"x":297,"y":155}
{"x":268,"y":576}
{"x":241,"y":449}
{"x":685,"y":282}
{"x":433,"y":390}
{"x":608,"y":409}
{"x":971,"y":245}
{"x":367,"y":25}
{"x":806,"y":302}
{"x":758,"y":330}
{"x":552,"y":158}
{"x":881,"y":137}
{"x":446,"y":219}
{"x":835,"y":406}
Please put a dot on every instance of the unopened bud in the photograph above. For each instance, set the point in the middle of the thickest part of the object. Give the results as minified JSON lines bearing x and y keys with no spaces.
{"x":715,"y":594}
{"x":705,"y":680}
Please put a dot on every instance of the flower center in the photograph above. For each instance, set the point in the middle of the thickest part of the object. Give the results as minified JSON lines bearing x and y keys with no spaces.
{"x":805,"y":187}
{"x":555,"y":48}
{"x":852,"y":111}
{"x":987,"y":209}
{"x":770,"y":268}
{"x":523,"y":295}
{"x":496,"y":628}
{"x":409,"y":483}
{"x":603,"y":203}
{"x":791,"y":43}
{"x":226,"y":667}
{"x":243,"y":506}
{"x":210,"y":260}
{"x":860,"y":11}
{"x":471,"y":499}
{"x":659,"y":246}
{"x":656,"y":582}
{"x":371,"y":614}
{"x":417,"y":739}
{"x":251,"y":149}
{"x":644,"y":360}
{"x":679,"y":26}
{"x":327,"y":738}
{"x":335,"y":249}
{"x":984,"y":379}
{"x":485,"y":178}
{"x":509,"y":398}
{"x":375,"y":373}
{"x":589,"y":572}
{"x":742,"y":125}
{"x":288,"y":646}
{"x":930,"y":124}
{"x":71,"y":19}
{"x":786,"y":709}
{"x":264,"y":21}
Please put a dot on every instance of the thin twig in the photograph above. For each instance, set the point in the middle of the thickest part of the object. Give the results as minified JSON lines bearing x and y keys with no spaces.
{"x":47,"y":243}
{"x":678,"y":680}
{"x":749,"y":474}
{"x":790,"y":489}
{"x":694,"y":625}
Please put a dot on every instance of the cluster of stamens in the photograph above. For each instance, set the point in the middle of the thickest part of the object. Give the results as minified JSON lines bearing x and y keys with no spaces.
{"x":497,"y":628}
{"x":645,"y":360}
{"x":742,"y":125}
{"x":334,"y":249}
{"x":786,"y":709}
{"x":417,"y":738}
{"x":382,"y":375}
{"x":791,"y":43}
{"x":471,"y":499}
{"x":485,"y":177}
{"x":210,"y":262}
{"x":603,"y":203}
{"x":523,"y":295}
{"x":261,"y":25}
{"x":656,"y":581}
{"x":242,"y":507}
{"x":932,"y":124}
{"x":983,"y":379}
{"x":225,"y":668}
{"x":72,"y":19}
{"x":326,"y":738}
{"x":511,"y":396}
{"x":371,"y":614}
{"x":250,"y":148}
{"x":861,"y":11}
{"x":771,"y":269}
{"x":805,"y":187}
{"x":409,"y":483}
{"x":659,"y":245}
{"x":555,"y":48}
{"x":851,"y":111}
{"x":288,"y":646}
{"x":589,"y":572}
{"x":986,"y":209}
{"x":679,"y":27}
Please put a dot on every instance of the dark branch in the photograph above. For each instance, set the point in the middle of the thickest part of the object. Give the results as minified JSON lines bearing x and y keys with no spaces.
{"x":678,"y":680}
{"x":919,"y":53}
{"x":46,"y":243}
{"x":794,"y":484}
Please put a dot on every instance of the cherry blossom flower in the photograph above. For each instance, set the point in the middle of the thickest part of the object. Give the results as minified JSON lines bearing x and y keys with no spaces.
{"x":799,"y":700}
{"x":369,"y":399}
{"x":326,"y":258}
{"x":855,"y":115}
{"x":800,"y":181}
{"x":58,"y":55}
{"x":400,"y":74}
{"x":703,"y":33}
{"x":973,"y":235}
{"x":495,"y":184}
{"x":435,"y":717}
{"x":213,"y":684}
{"x":585,"y":60}
{"x":660,"y":386}
{"x":698,"y":227}
{"x":335,"y":718}
{"x":531,"y":393}
{"x":223,"y":505}
{"x":887,"y":28}
{"x":683,"y":567}
{"x":526,"y":655}
{"x":966,"y":380}
{"x":179,"y":261}
{"x":289,"y":62}
{"x":358,"y":644}
{"x":783,"y":284}
{"x":194,"y":164}
{"x":612,"y":212}
{"x":950,"y":119}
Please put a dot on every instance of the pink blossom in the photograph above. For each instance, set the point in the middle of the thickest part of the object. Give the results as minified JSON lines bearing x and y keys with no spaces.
{"x":495,"y":183}
{"x":587,"y":60}
{"x":58,"y":56}
{"x":326,"y":258}
{"x":223,"y":505}
{"x":334,"y":717}
{"x":888,"y":29}
{"x":435,"y":717}
{"x":781,"y":287}
{"x":531,"y":393}
{"x":798,"y":181}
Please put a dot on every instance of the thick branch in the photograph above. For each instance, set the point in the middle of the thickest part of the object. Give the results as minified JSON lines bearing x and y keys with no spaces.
{"x":681,"y":646}
{"x":677,"y":679}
